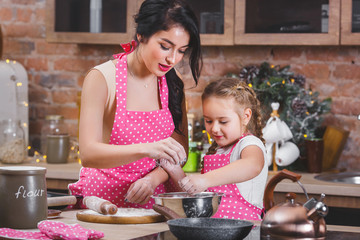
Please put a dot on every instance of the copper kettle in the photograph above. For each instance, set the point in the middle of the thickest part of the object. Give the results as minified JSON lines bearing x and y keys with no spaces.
{"x":292,"y":220}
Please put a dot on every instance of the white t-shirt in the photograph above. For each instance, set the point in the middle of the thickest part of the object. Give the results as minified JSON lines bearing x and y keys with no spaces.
{"x":253,"y":189}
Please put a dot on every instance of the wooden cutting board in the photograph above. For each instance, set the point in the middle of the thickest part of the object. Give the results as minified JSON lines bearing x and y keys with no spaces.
{"x":123,"y":216}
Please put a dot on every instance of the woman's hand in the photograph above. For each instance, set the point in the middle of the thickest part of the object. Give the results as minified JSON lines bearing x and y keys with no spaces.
{"x":168,"y":149}
{"x":140,"y":191}
{"x":194,"y":183}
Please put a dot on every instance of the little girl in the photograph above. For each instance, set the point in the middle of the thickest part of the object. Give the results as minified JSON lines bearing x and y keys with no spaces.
{"x":235,"y":163}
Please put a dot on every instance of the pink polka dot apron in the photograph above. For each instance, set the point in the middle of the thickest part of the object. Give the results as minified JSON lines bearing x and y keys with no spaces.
{"x":233,"y":205}
{"x":130,"y":127}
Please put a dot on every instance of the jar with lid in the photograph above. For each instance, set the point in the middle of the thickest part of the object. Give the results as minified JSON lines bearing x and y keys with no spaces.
{"x":55,"y":142}
{"x":12,"y":142}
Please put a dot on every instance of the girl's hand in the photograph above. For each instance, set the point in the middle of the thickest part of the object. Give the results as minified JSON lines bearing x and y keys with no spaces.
{"x":168,"y":149}
{"x":194,"y":183}
{"x":140,"y":191}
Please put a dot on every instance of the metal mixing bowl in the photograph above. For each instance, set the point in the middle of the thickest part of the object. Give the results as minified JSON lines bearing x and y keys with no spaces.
{"x":204,"y":204}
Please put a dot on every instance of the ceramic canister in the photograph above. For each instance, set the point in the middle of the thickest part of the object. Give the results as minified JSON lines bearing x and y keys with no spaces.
{"x":23,"y":196}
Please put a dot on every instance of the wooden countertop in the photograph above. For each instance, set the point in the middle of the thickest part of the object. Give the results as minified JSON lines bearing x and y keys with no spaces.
{"x":337,"y":194}
{"x":129,"y":231}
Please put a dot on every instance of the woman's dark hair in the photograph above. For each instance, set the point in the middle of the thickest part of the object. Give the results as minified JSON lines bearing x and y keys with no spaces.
{"x":161,"y":15}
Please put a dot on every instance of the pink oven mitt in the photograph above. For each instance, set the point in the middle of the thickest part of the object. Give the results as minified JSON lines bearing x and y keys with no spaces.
{"x":59,"y":230}
{"x":19,"y":234}
{"x":53,"y":230}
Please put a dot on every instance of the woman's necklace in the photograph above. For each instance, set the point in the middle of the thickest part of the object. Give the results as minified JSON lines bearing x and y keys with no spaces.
{"x":146,"y":84}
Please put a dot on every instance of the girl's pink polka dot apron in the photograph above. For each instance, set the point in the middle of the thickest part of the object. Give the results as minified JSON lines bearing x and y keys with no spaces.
{"x":130,"y":127}
{"x":233,"y":205}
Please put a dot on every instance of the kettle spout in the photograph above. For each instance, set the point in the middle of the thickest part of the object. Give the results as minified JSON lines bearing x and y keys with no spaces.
{"x":319,"y":211}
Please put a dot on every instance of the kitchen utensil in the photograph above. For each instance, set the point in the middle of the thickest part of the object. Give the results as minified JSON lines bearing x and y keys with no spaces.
{"x":291,"y":220}
{"x":204,"y":228}
{"x":100,"y":205}
{"x":204,"y":204}
{"x":22,"y":196}
{"x":123,"y":216}
{"x":59,"y":201}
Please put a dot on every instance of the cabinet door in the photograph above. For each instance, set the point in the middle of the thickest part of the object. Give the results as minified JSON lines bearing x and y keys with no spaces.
{"x":350,"y":22}
{"x":216,"y":21}
{"x":90,"y":21}
{"x":284,"y":22}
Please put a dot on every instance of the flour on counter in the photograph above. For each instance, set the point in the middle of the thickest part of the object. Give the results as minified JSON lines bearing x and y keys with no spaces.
{"x":126,"y":212}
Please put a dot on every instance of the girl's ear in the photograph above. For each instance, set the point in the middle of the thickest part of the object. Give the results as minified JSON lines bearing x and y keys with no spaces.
{"x":247,"y":116}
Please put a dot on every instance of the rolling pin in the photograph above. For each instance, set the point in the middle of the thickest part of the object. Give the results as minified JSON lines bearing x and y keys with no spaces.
{"x":61,"y":201}
{"x":100,"y":205}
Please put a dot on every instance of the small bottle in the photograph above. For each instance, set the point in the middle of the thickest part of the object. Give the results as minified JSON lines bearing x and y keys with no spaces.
{"x":12,"y":145}
{"x":192,"y":163}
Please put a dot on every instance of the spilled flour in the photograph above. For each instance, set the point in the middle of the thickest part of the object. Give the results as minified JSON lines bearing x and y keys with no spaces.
{"x":126,"y":212}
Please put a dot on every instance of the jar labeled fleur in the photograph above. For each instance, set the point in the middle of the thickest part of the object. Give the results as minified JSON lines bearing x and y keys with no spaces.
{"x":12,"y":142}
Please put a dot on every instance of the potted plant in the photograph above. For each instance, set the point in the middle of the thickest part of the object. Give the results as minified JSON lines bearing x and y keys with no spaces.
{"x":301,"y":108}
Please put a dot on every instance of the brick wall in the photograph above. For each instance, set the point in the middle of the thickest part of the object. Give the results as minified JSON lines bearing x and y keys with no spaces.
{"x":56,"y":71}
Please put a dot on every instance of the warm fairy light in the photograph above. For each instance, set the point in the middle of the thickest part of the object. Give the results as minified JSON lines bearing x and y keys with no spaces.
{"x":312,"y":102}
{"x":305,"y":135}
{"x":307,"y":113}
{"x":292,"y":80}
{"x":19,"y":84}
{"x":37,"y":160}
{"x":7,"y":60}
{"x":14,"y":62}
{"x":44,"y":156}
{"x":283,"y":81}
{"x":29,"y":147}
{"x":268,"y":83}
{"x":272,"y":66}
{"x":250,"y":85}
{"x":25,"y":125}
{"x":310,"y":93}
{"x":26,"y":104}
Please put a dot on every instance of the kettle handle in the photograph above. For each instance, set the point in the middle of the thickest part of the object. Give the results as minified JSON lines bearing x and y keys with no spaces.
{"x":269,"y":190}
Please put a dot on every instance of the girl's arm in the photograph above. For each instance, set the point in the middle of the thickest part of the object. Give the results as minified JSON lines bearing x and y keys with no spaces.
{"x":249,"y":165}
{"x":95,"y":153}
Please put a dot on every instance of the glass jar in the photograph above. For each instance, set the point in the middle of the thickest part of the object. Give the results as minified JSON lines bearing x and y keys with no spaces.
{"x":12,"y":144}
{"x":55,"y":140}
{"x":54,"y":125}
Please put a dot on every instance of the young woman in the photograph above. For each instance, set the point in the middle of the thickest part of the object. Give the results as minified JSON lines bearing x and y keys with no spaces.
{"x":236,"y":162}
{"x":133,"y":109}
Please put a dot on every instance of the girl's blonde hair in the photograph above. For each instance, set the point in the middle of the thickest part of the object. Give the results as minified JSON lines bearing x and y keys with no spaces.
{"x":243,"y":95}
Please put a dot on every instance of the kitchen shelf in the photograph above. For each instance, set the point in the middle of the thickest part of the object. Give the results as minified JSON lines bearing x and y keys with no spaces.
{"x":70,"y":28}
{"x":348,"y":36}
{"x":216,"y":22}
{"x":306,"y":20}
